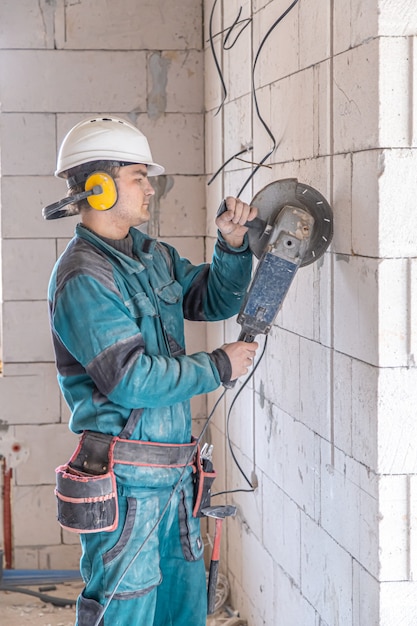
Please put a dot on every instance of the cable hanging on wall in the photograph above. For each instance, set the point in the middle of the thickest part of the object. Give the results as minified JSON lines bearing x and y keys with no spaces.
{"x":245,"y":149}
{"x":267,"y":128}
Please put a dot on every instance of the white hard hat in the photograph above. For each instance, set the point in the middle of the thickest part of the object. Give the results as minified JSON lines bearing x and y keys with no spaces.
{"x":105,"y":139}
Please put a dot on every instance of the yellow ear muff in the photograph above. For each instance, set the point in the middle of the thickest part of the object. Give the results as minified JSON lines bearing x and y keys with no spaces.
{"x":105,"y":200}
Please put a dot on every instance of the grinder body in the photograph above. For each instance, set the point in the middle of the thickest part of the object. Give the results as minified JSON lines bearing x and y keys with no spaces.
{"x":294,"y":228}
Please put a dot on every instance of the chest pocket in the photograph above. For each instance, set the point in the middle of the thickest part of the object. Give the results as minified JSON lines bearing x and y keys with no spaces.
{"x":170,"y":305}
{"x":140,"y":306}
{"x":170,"y":294}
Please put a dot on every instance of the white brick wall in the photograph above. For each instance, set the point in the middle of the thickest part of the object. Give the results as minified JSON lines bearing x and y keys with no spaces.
{"x":331,"y":419}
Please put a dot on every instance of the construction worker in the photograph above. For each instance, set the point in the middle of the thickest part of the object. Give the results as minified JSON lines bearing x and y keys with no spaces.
{"x":118,"y":300}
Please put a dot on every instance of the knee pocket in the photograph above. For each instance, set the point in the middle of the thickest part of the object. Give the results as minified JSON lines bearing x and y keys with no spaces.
{"x":133,"y":562}
{"x":88,"y":611}
{"x":190,"y":532}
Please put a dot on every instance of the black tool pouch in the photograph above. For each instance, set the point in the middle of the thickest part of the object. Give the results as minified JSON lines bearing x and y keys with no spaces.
{"x":86,"y":487}
{"x":203,"y":480}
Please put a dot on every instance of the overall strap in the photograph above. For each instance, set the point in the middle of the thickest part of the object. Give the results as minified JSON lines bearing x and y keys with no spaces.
{"x":131,"y":424}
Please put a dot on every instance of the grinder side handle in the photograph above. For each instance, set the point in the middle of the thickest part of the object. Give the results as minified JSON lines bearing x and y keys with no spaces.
{"x":257,"y":223}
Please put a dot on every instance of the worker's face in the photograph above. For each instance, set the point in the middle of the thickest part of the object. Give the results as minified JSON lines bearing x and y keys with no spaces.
{"x":134,"y":194}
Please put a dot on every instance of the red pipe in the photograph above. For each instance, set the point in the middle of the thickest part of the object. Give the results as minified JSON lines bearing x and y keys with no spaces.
{"x":7,"y":515}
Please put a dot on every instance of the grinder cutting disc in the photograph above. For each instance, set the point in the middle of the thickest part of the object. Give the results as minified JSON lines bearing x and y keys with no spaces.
{"x":289,"y":192}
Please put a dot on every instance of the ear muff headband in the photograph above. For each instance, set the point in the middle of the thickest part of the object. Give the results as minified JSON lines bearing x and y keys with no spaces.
{"x":100,"y":192}
{"x":108,"y":196}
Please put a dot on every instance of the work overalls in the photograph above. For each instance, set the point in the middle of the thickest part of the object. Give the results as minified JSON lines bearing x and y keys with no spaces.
{"x":118,"y":329}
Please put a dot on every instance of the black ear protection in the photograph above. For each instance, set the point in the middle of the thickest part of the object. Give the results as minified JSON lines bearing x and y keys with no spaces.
{"x":100,"y":192}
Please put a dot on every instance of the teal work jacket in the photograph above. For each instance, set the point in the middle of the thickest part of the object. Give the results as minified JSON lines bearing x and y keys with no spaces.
{"x":118,"y":331}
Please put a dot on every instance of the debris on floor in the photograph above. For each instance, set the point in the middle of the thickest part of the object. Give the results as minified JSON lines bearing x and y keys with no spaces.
{"x":19,"y":609}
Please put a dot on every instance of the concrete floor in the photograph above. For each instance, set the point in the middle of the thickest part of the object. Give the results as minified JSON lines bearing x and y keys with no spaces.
{"x":18,"y":609}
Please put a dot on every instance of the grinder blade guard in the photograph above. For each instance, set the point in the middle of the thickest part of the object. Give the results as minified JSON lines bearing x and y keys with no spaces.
{"x":271,"y":200}
{"x":294,"y":228}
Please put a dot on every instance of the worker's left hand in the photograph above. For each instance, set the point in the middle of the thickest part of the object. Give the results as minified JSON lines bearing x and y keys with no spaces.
{"x":231,"y":222}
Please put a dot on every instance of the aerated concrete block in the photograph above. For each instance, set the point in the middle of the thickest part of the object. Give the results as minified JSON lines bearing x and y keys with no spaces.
{"x":355,"y":99}
{"x":397,"y":428}
{"x":341,"y":27}
{"x":290,"y":606}
{"x":393,"y":325}
{"x":61,"y":557}
{"x":315,"y":36}
{"x":342,"y":203}
{"x":176,"y":26}
{"x":398,"y":603}
{"x":23,"y":198}
{"x":393,"y":528}
{"x":179,"y":210}
{"x":315,"y":380}
{"x":342,"y":402}
{"x":363,"y":21}
{"x":396,"y":114}
{"x":49,"y":445}
{"x":349,"y":508}
{"x":176,"y":141}
{"x":279,"y":372}
{"x":256,"y":579}
{"x":396,"y":220}
{"x":38,"y":133}
{"x":36,"y":502}
{"x":213,"y":153}
{"x":21,"y":343}
{"x":365,"y":597}
{"x":293,"y":116}
{"x":238,"y":131}
{"x":365,"y":414}
{"x":367,"y":167}
{"x":322,"y":107}
{"x":175,"y":82}
{"x":397,"y":18}
{"x":29,"y":393}
{"x":282,"y":529}
{"x":62,"y":81}
{"x":326,"y":574}
{"x":26,"y":266}
{"x":28,"y":24}
{"x":287,"y":451}
{"x":356,"y":307}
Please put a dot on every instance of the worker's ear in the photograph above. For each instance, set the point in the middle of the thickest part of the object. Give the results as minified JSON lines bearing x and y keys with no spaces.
{"x":108,"y":196}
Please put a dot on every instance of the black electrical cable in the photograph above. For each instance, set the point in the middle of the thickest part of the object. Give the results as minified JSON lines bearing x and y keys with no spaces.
{"x":216,"y":62}
{"x":229,"y":30}
{"x":254,"y":95}
{"x":227,"y":163}
{"x":252,"y":487}
{"x":255,"y":98}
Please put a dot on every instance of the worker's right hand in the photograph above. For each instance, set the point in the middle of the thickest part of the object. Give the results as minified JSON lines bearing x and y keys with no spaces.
{"x":241,"y":355}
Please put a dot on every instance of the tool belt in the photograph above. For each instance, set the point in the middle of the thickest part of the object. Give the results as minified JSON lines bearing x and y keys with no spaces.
{"x":86,"y":486}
